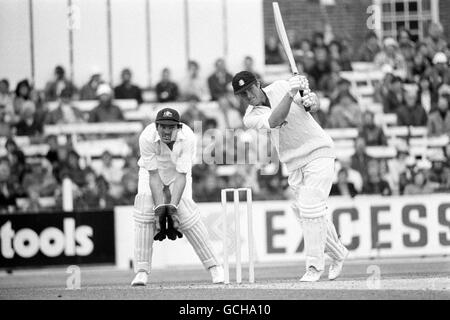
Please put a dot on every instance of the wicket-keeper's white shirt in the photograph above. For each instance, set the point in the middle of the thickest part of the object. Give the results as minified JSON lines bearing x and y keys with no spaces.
{"x":300,"y":139}
{"x":156,"y":155}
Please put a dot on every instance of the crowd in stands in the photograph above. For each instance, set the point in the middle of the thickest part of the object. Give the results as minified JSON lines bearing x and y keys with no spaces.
{"x":415,"y":87}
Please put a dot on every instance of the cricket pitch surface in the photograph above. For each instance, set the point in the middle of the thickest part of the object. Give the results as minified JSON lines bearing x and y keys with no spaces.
{"x":418,"y":278}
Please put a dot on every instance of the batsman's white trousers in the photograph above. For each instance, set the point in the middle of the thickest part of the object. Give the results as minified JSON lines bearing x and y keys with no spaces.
{"x":189,"y":218}
{"x":311,"y":185}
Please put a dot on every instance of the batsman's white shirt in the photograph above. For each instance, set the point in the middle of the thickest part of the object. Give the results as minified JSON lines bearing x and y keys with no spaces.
{"x":300,"y":139}
{"x":156,"y":155}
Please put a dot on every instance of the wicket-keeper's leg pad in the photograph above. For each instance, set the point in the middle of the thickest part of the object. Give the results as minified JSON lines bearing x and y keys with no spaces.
{"x":311,"y":205}
{"x":195,"y":231}
{"x":144,"y":229}
{"x":334,"y":247}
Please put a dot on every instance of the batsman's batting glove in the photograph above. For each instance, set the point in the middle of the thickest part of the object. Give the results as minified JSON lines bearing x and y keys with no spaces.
{"x":298,"y":83}
{"x":161,"y":216}
{"x":310,"y":102}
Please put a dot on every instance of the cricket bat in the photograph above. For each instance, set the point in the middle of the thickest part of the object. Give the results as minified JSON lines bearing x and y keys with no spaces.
{"x":282,"y":35}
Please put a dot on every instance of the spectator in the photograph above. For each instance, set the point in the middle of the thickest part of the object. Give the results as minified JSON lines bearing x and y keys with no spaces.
{"x":318,"y":40}
{"x":370,"y":48}
{"x":128,"y":90}
{"x":111,"y":172}
{"x":219,"y":82}
{"x":249,"y":66}
{"x":374,"y":184}
{"x":40,"y":179}
{"x":53,"y":88}
{"x":193,"y":114}
{"x":106,"y":111}
{"x":411,"y":113}
{"x":95,"y":194}
{"x":372,"y":134}
{"x":273,"y":51}
{"x":66,"y":112}
{"x":343,"y":187}
{"x":392,"y":56}
{"x":209,"y":190}
{"x":29,"y":124}
{"x":381,"y":89}
{"x":438,"y":74}
{"x":343,"y":85}
{"x":435,"y":40}
{"x":335,"y":49}
{"x":346,"y":53}
{"x":329,"y":83}
{"x":353,"y":176}
{"x":52,"y":154}
{"x":22,"y":97}
{"x":306,"y":56}
{"x":321,"y":66}
{"x":439,"y":174}
{"x":360,"y":158}
{"x":130,"y":168}
{"x":424,"y":94}
{"x":439,"y":120}
{"x":71,"y":168}
{"x":398,"y":169}
{"x":420,"y":185}
{"x":193,"y":87}
{"x":8,"y":188}
{"x":420,"y":64}
{"x":129,"y":190}
{"x":346,"y":113}
{"x":406,"y":43}
{"x":89,"y":90}
{"x":394,"y":97}
{"x":16,"y":159}
{"x":7,"y":116}
{"x":230,"y":109}
{"x":166,"y":89}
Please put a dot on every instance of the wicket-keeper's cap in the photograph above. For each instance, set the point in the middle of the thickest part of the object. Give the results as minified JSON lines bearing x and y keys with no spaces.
{"x":167,"y":116}
{"x":242,"y":80}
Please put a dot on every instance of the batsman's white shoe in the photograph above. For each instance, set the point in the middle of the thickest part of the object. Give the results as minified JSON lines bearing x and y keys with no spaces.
{"x":336,"y":267}
{"x":217,"y":274}
{"x":140,"y":279}
{"x":312,"y":275}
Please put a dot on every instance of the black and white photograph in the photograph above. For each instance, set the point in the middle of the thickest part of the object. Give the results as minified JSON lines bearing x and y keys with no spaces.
{"x":224,"y":156}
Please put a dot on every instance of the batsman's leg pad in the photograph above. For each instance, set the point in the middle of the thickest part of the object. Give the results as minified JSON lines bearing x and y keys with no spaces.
{"x":334,"y":247}
{"x":144,"y":229}
{"x":312,"y":206}
{"x":195,"y":231}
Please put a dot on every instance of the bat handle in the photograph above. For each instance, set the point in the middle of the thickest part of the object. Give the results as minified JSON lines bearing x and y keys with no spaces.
{"x":295,"y":73}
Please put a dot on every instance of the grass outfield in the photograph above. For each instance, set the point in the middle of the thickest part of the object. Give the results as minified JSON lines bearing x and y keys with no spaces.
{"x":424,"y":278}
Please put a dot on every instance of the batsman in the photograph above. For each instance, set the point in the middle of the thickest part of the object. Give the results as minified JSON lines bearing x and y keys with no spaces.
{"x":284,"y":108}
{"x":163,"y":206}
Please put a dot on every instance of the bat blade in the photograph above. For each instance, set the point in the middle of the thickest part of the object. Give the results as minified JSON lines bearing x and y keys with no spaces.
{"x":282,"y":35}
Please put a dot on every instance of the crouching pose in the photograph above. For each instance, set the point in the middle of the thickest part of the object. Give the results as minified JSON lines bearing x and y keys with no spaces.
{"x":167,"y":149}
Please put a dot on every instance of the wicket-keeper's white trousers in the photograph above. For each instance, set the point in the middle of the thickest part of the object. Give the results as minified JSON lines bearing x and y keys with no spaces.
{"x":189,"y":219}
{"x":311,"y":185}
